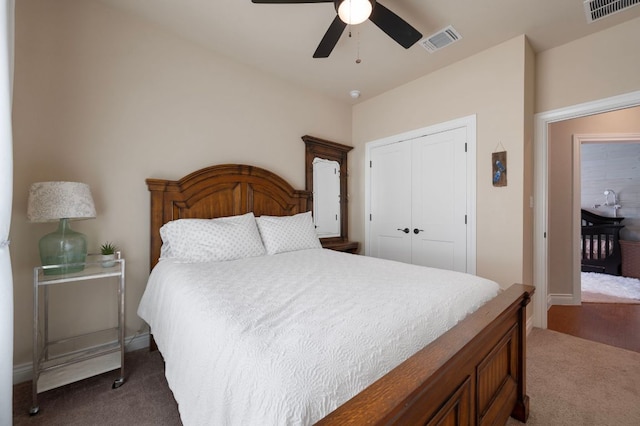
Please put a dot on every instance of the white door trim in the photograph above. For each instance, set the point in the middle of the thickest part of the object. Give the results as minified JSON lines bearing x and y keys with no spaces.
{"x":469,"y":122}
{"x":542,"y":121}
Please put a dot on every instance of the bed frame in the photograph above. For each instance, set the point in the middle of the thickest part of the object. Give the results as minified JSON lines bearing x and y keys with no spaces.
{"x":600,"y":243}
{"x":472,"y":375}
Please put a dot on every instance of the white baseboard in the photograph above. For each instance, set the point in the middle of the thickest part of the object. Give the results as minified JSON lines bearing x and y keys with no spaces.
{"x":139,"y":341}
{"x":529,"y":325}
{"x":24,"y":372}
{"x":563,"y":299}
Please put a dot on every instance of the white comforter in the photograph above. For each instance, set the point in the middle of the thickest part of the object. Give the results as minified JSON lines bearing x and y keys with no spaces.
{"x":285,"y":339}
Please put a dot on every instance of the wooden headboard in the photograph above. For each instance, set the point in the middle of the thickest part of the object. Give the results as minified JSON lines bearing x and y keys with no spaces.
{"x":223,"y":190}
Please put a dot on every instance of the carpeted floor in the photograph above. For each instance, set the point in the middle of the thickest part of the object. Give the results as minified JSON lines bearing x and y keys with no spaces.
{"x":570,"y":381}
{"x":144,"y":399}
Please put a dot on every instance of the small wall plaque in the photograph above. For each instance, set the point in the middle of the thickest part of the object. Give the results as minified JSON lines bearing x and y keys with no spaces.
{"x":499,"y":168}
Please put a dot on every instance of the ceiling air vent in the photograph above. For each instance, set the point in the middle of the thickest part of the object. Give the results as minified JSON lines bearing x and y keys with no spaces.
{"x":598,"y":9}
{"x":441,"y":39}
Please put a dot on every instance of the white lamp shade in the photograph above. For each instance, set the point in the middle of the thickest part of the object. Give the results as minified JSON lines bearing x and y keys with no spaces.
{"x":354,"y":12}
{"x":52,"y":201}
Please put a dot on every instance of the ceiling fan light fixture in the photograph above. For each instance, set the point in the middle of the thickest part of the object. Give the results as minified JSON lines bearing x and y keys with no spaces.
{"x":354,"y":12}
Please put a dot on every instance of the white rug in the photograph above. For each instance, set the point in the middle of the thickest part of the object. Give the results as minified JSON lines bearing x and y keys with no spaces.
{"x":610,"y":285}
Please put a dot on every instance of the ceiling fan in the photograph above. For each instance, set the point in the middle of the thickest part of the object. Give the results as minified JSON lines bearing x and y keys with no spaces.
{"x":354,"y":12}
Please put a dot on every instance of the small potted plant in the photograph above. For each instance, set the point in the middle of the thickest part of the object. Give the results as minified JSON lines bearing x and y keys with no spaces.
{"x":108,"y":252}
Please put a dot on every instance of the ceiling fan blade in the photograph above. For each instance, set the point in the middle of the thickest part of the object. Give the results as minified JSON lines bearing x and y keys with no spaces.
{"x":395,"y":27}
{"x":290,"y":1}
{"x":330,"y":38}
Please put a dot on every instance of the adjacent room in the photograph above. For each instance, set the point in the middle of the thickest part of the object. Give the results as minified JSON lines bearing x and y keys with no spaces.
{"x":284,"y":213}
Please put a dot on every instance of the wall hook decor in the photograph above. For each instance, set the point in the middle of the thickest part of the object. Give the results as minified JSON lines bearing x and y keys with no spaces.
{"x":499,"y":167}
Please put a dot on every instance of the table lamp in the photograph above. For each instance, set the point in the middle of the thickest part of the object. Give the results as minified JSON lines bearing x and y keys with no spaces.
{"x":63,"y":202}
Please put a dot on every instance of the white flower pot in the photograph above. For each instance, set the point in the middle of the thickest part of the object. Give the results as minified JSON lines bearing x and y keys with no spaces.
{"x":108,"y":260}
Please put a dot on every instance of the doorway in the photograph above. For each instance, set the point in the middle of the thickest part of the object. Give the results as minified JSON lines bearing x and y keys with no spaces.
{"x":541,"y":190}
{"x":602,"y":307}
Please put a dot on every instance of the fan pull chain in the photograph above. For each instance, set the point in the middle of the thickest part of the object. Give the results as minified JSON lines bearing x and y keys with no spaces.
{"x":358,"y":60}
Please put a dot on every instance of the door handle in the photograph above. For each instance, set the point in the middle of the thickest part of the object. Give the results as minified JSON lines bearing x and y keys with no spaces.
{"x":405,"y":230}
{"x":417,"y":231}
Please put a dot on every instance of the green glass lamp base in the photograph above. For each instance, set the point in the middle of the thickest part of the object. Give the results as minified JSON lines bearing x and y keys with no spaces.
{"x":64,"y":247}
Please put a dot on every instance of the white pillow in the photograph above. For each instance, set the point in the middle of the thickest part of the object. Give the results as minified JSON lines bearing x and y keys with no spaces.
{"x":288,"y":233}
{"x":206,"y":240}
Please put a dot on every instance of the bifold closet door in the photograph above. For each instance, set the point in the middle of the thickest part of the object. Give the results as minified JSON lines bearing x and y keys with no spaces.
{"x":418,"y":201}
{"x":390,"y":197}
{"x":439,"y":200}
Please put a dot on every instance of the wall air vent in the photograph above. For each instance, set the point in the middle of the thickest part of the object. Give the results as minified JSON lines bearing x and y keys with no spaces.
{"x":598,"y":9}
{"x":441,"y":39}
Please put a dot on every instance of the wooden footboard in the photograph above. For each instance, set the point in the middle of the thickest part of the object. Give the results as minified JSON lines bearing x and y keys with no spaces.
{"x":472,"y":375}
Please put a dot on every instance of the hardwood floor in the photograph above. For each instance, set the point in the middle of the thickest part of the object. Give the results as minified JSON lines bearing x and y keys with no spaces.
{"x":614,"y":324}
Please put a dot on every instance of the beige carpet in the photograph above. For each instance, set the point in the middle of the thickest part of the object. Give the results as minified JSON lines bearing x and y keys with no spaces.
{"x":143,"y":400}
{"x":570,"y":381}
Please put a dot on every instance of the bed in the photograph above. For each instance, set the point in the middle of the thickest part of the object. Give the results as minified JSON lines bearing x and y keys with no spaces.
{"x":600,"y":243}
{"x":474,"y":373}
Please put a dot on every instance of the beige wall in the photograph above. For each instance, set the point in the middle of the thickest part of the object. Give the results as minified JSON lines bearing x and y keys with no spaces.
{"x":561,"y":186}
{"x":104,"y":98}
{"x":494,"y":85}
{"x":598,"y":66}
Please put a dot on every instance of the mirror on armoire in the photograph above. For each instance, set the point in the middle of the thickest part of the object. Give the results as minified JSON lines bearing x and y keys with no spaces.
{"x":326,"y":177}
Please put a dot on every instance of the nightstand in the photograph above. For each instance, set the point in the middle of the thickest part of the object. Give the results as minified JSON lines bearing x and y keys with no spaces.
{"x":60,"y":362}
{"x":340,"y":245}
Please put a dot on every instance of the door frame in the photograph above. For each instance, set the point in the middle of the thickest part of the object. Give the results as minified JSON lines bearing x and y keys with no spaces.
{"x":541,"y":126}
{"x":468,"y":122}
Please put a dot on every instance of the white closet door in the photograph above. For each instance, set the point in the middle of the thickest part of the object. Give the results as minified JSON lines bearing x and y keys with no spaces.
{"x":390,"y":199}
{"x":438,"y":203}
